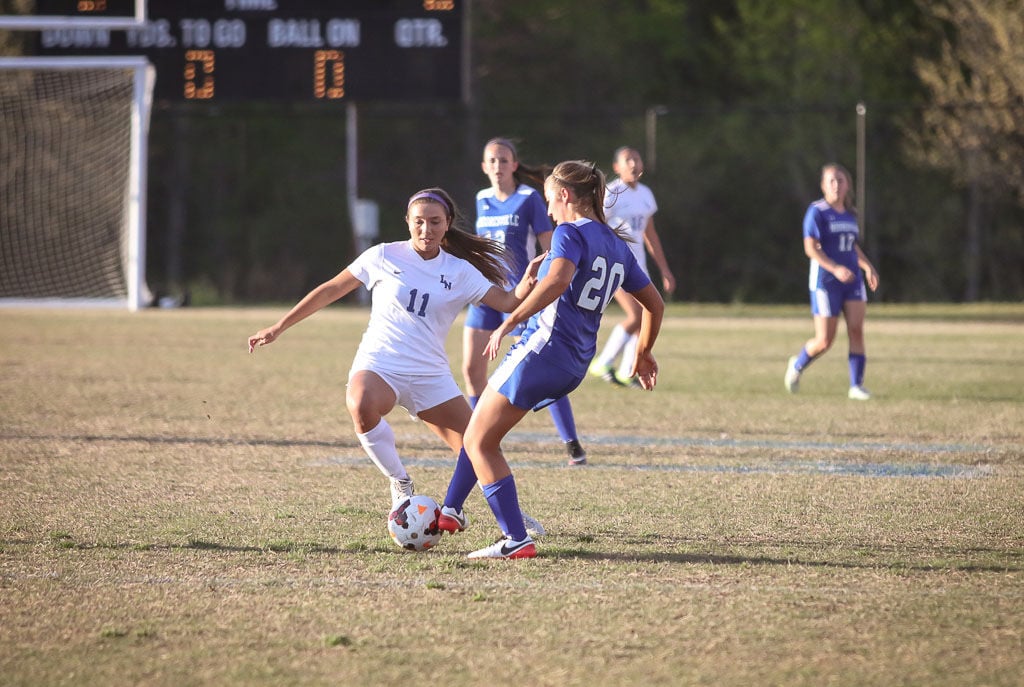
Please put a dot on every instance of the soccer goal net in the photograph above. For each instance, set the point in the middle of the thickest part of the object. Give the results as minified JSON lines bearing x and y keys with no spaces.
{"x":73,"y":180}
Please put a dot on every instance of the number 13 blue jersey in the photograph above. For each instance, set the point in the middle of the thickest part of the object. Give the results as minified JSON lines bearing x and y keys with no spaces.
{"x":565,"y":332}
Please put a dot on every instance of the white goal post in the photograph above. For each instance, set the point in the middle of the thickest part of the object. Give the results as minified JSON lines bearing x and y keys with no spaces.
{"x":73,"y":152}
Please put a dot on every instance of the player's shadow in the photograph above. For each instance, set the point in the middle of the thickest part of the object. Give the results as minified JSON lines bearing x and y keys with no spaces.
{"x":272,"y":442}
{"x":191,"y":545}
{"x":876,"y":557}
{"x":272,"y":547}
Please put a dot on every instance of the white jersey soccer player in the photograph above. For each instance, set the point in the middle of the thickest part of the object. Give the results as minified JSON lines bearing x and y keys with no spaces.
{"x":418,"y":288}
{"x":629,"y":210}
{"x":413,"y":305}
{"x":630,"y":206}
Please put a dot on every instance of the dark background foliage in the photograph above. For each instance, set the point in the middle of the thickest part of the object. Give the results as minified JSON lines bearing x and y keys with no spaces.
{"x":748,"y":99}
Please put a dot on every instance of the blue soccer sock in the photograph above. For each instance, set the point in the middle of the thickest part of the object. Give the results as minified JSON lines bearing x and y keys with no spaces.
{"x":858,"y":361}
{"x":504,"y":503}
{"x":565,"y":423}
{"x":462,"y":482}
{"x":803,"y":360}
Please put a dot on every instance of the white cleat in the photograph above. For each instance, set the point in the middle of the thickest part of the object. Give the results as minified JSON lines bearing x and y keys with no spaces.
{"x":401,"y":489}
{"x":792,"y":378}
{"x":859,"y":393}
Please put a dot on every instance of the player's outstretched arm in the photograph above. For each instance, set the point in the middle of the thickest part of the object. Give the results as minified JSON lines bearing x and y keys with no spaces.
{"x":546,"y":291}
{"x":653,"y":243}
{"x":644,"y":364}
{"x":325,"y":294}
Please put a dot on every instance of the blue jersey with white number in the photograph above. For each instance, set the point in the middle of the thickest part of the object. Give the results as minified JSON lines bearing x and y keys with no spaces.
{"x":514,"y":222}
{"x":837,"y":233}
{"x":565,"y":332}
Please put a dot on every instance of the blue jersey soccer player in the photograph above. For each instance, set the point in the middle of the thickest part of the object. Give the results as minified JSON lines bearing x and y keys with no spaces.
{"x":514,"y":214}
{"x":586,"y":264}
{"x":836,"y":286}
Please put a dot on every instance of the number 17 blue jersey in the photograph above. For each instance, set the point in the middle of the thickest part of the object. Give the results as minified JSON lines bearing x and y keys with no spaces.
{"x":837,"y":234}
{"x":565,"y":332}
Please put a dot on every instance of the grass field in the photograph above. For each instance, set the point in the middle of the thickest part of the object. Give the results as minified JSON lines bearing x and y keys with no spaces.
{"x":174,"y":511}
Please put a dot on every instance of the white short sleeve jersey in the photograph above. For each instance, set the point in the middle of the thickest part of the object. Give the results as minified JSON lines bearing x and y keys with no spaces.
{"x":413,"y":305}
{"x":628,"y":209}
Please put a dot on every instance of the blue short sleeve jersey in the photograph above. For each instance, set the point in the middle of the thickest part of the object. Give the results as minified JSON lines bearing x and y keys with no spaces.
{"x":565,"y":332}
{"x":514,"y":222}
{"x":837,"y":233}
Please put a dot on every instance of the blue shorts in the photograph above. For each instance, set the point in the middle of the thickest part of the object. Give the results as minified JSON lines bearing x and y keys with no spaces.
{"x":529,"y":381}
{"x":488,"y":319}
{"x":827,"y":301}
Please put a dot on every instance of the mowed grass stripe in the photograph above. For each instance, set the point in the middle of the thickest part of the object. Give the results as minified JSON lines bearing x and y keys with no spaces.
{"x":869,"y":469}
{"x":589,"y":439}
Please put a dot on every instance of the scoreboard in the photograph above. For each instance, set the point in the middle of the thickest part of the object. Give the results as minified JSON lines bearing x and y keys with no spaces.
{"x":278,"y":50}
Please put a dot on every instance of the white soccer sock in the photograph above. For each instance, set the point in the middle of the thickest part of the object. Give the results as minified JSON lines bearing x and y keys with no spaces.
{"x":613,"y":346}
{"x":379,"y":444}
{"x":628,"y":353}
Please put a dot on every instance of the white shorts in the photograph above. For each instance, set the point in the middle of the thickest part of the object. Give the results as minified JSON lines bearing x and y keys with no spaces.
{"x":417,"y":393}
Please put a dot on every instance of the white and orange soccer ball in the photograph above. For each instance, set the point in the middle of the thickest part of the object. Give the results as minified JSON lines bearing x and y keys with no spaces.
{"x":413,"y":523}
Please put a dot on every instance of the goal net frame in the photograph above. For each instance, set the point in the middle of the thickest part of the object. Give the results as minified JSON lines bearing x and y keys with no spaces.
{"x":133,"y":235}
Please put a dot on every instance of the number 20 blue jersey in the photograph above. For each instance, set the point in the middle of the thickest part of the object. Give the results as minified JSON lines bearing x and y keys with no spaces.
{"x":565,"y":332}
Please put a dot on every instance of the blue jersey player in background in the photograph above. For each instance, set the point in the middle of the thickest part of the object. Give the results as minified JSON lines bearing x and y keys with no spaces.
{"x":831,"y":236}
{"x":586,"y":264}
{"x":513,"y":213}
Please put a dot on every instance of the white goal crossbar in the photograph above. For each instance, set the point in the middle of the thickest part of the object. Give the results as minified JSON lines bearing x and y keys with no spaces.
{"x":133,"y":232}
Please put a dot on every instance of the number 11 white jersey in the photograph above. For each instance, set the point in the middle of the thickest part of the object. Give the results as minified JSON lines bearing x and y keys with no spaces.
{"x":413,"y":305}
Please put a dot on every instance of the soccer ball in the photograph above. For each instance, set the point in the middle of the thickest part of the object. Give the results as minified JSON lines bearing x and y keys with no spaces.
{"x":413,"y":523}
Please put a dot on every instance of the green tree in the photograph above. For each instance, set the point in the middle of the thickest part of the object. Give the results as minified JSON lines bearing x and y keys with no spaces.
{"x":973,"y":125}
{"x":974,"y":122}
